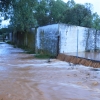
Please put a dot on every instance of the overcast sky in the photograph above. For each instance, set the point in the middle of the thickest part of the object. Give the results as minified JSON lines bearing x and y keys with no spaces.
{"x":95,"y":3}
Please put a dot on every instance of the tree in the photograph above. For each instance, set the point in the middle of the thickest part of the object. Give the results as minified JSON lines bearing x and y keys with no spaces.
{"x":57,"y":9}
{"x":96,"y":25}
{"x":3,"y":33}
{"x":23,"y":17}
{"x":71,"y":3}
{"x":4,"y":4}
{"x":79,"y":15}
{"x":96,"y":21}
{"x":4,"y":7}
{"x":41,"y":12}
{"x":22,"y":20}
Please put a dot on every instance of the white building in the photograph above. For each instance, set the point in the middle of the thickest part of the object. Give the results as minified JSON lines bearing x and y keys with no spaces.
{"x":63,"y":38}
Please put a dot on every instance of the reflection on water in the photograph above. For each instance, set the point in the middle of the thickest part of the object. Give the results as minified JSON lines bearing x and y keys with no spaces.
{"x":88,"y":55}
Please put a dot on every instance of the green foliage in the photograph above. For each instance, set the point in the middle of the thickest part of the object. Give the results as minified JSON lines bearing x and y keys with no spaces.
{"x":71,"y":3}
{"x":49,"y":11}
{"x":3,"y":30}
{"x":57,"y":9}
{"x":9,"y":42}
{"x":23,"y":16}
{"x":79,"y":15}
{"x":4,"y":4}
{"x":41,"y":12}
{"x":30,"y":52}
{"x":3,"y":33}
{"x":42,"y":56}
{"x":96,"y":21}
{"x":27,"y":50}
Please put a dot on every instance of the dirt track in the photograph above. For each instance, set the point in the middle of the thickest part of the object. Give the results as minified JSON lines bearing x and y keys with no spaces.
{"x":22,"y":77}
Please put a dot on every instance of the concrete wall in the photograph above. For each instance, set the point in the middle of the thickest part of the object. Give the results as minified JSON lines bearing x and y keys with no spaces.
{"x":71,"y":38}
{"x":98,"y":40}
{"x":91,"y":39}
{"x":46,"y":39}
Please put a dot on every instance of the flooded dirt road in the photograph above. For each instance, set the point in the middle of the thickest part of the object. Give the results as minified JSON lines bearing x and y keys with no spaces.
{"x":22,"y":77}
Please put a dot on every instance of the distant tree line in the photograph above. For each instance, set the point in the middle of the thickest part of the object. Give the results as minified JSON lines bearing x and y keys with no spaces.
{"x":25,"y":14}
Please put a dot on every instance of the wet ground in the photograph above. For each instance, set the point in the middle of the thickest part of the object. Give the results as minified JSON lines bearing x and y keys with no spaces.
{"x":22,"y":77}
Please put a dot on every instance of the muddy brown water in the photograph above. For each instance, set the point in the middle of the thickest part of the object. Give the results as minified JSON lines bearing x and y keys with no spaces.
{"x":22,"y":77}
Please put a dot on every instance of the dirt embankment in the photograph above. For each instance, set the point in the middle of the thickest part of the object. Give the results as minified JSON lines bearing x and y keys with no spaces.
{"x":79,"y":60}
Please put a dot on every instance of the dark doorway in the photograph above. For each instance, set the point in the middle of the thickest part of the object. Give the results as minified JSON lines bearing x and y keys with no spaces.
{"x":58,"y":40}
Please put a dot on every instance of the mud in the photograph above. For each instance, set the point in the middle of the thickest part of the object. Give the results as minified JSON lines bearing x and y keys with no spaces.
{"x":22,"y":77}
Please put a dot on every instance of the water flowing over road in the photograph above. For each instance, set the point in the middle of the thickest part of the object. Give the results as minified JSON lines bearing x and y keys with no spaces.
{"x":23,"y":77}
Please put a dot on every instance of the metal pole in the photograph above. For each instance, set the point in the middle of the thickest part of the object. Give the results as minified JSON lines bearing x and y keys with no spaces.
{"x":77,"y":42}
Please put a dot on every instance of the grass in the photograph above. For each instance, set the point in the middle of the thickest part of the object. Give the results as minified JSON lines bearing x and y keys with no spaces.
{"x":29,"y":51}
{"x":42,"y":56}
{"x":9,"y":42}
